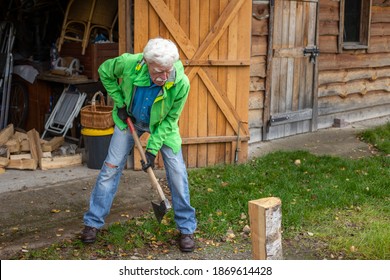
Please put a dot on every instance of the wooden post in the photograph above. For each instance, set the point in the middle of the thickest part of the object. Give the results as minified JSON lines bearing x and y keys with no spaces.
{"x":265,"y":216}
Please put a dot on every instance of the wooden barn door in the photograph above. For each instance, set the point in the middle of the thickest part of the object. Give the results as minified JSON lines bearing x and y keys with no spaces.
{"x":214,"y":39}
{"x":291,"y":103}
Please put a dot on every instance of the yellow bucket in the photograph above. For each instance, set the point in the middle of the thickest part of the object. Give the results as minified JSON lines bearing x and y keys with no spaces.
{"x":97,"y":132}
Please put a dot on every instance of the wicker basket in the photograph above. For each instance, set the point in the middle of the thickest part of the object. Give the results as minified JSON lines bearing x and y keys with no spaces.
{"x":97,"y":116}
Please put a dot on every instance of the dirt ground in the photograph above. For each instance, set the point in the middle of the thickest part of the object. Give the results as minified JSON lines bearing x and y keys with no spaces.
{"x":33,"y":217}
{"x":36,"y":217}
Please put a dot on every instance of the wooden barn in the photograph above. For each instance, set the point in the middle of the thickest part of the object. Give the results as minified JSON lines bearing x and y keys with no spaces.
{"x":259,"y":70}
{"x":263,"y":70}
{"x":322,"y":63}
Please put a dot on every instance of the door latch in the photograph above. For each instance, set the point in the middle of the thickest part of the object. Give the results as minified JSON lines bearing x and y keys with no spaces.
{"x":313,"y":52}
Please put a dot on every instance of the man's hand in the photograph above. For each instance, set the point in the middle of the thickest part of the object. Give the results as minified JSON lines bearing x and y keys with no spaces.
{"x":149,"y":161}
{"x":122,"y":113}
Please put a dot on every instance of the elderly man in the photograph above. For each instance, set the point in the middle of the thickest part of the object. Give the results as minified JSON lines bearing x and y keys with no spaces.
{"x":152,"y":93}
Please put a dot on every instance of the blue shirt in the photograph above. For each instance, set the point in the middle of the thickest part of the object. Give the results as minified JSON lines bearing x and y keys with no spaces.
{"x":143,"y":101}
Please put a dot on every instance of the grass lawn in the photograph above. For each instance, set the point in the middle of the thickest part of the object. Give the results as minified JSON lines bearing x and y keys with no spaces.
{"x":342,"y":204}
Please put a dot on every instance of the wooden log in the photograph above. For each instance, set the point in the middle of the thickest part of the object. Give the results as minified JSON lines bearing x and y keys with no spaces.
{"x":20,"y":156}
{"x":329,"y":10}
{"x":334,"y":104}
{"x":379,"y":44}
{"x":329,"y":44}
{"x":349,"y":61}
{"x":35,"y":145}
{"x":258,"y":67}
{"x":6,"y":133}
{"x":23,"y":164}
{"x":4,"y":161}
{"x":13,"y":145}
{"x":47,"y":155}
{"x":329,"y":27}
{"x":384,"y":3}
{"x":380,"y":14}
{"x":53,"y":144}
{"x":60,"y":161}
{"x":19,"y":142}
{"x":260,"y":19}
{"x":259,"y":45}
{"x":359,"y":86}
{"x":25,"y":145}
{"x":345,"y":76}
{"x":265,"y":216}
{"x":256,"y":100}
{"x":257,"y":84}
{"x":20,"y":135}
{"x":380,"y":29}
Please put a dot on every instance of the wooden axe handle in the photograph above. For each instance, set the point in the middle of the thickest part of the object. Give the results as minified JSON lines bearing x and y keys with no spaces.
{"x":150,"y":172}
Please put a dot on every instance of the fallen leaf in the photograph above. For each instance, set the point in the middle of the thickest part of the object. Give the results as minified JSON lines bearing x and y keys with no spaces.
{"x":55,"y":211}
{"x":246,"y":229}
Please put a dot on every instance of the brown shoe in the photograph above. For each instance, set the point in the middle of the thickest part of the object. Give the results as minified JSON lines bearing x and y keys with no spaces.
{"x":187,"y":242}
{"x":88,"y":235}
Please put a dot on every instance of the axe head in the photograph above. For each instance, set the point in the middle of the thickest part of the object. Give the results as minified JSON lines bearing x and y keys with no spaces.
{"x":161,"y":209}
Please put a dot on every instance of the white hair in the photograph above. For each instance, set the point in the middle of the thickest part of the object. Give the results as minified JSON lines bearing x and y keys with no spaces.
{"x":161,"y":51}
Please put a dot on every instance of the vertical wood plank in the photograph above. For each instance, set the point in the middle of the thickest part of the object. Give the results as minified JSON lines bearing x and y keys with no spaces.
{"x":192,"y":103}
{"x":122,"y":30}
{"x":154,"y":25}
{"x":290,"y":63}
{"x":204,"y":10}
{"x":211,"y":105}
{"x":223,"y":150}
{"x":277,"y":44}
{"x":314,"y":121}
{"x":181,"y":12}
{"x":141,"y":22}
{"x":243,"y":73}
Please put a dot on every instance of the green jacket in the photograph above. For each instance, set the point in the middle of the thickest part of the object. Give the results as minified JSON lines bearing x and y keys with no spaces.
{"x":167,"y":107}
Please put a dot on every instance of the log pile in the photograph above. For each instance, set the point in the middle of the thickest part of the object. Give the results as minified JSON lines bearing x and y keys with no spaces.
{"x":26,"y":151}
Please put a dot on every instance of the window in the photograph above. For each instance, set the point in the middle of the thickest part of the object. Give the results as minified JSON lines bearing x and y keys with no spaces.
{"x":355,"y":23}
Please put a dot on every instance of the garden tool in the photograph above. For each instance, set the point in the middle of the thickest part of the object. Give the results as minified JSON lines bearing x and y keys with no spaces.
{"x":162,"y":208}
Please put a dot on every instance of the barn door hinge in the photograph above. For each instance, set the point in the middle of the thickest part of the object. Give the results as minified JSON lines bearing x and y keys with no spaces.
{"x":313,"y":52}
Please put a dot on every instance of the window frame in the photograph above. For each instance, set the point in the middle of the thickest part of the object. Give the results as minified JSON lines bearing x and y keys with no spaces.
{"x":365,"y":26}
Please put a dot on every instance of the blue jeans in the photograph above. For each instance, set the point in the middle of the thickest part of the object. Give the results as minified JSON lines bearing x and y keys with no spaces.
{"x":108,"y":179}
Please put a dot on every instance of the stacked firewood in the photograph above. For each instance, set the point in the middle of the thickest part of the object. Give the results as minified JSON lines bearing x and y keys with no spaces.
{"x":26,"y":151}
